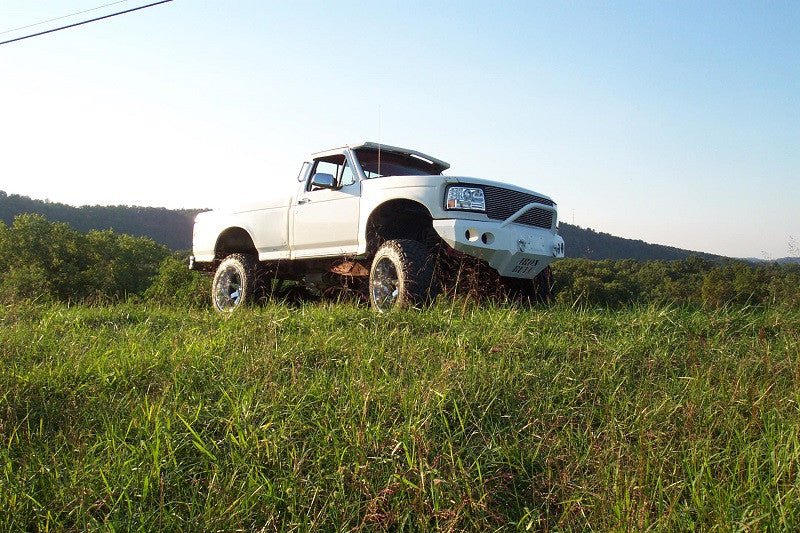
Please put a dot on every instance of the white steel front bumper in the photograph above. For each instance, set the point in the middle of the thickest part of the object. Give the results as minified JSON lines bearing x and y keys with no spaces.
{"x":514,"y":250}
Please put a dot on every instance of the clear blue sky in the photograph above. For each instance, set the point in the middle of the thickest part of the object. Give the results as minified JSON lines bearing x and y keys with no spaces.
{"x":674,"y":122}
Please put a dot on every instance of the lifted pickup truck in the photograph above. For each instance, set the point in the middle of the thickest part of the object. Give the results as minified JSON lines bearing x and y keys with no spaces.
{"x":385,"y":217}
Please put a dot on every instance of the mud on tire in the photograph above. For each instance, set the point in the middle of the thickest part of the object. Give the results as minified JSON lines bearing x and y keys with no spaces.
{"x":236,"y":283}
{"x":402,"y":275}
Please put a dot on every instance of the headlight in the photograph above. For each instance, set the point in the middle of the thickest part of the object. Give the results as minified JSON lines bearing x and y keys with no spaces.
{"x":471,"y":198}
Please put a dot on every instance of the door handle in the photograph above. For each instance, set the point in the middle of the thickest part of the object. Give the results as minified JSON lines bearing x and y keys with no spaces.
{"x":302,"y":201}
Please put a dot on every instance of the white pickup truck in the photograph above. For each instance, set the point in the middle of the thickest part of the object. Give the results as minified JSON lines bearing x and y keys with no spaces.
{"x":383,"y":218}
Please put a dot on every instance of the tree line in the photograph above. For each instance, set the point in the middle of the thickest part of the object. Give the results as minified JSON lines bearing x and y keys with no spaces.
{"x":694,"y":281}
{"x":52,"y":261}
{"x":170,"y":227}
{"x":173,"y":228}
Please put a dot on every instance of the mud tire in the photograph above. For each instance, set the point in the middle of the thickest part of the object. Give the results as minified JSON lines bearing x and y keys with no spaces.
{"x":530,"y":291}
{"x":236,"y":283}
{"x":402,"y":276}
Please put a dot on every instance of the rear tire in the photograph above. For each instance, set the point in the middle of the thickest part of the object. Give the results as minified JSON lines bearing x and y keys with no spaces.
{"x":235,"y":283}
{"x":402,"y":276}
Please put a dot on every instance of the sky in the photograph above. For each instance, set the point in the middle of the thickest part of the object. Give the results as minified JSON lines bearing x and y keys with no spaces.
{"x":676,"y":123}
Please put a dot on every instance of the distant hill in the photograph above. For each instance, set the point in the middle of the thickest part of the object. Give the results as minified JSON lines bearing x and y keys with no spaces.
{"x":590,"y":244}
{"x":170,"y":227}
{"x":173,"y":228}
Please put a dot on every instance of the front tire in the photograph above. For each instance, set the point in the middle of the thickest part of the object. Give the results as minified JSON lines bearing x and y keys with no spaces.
{"x":529,"y":291}
{"x":235,"y":283}
{"x":543,"y":285}
{"x":402,"y":276}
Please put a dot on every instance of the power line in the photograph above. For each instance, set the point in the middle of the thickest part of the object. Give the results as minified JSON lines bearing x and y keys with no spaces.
{"x":85,"y":22}
{"x":64,"y":17}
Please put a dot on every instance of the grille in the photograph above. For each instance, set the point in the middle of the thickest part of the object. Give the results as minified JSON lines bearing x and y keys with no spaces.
{"x":502,"y":203}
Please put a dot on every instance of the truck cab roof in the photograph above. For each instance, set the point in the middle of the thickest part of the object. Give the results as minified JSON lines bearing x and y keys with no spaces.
{"x":443,"y":165}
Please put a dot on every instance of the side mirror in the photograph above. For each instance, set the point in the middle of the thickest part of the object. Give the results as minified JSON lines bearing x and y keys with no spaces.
{"x":323,"y":181}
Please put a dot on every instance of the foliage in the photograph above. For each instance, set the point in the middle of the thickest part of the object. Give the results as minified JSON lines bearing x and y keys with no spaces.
{"x":52,"y":261}
{"x":691,"y":281}
{"x":176,"y":285}
{"x":326,"y":418}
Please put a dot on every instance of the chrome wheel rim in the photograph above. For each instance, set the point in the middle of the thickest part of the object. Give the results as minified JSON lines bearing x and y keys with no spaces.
{"x":228,"y":290}
{"x":384,"y":285}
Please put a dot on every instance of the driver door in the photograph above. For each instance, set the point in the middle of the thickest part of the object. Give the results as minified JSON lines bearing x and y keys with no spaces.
{"x":326,"y":219}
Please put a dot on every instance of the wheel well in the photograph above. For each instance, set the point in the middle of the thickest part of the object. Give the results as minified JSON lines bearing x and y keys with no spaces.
{"x":399,"y":219}
{"x":234,"y":240}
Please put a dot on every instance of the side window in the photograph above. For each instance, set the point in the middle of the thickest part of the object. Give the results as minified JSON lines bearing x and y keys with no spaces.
{"x":328,"y":165}
{"x":348,"y":177}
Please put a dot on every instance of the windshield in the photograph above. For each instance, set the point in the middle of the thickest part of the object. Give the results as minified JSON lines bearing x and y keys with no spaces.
{"x":394,"y":164}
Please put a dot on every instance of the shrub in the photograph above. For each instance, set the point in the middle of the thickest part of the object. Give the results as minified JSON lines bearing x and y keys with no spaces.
{"x":175,"y":284}
{"x":50,"y":260}
{"x":691,"y":281}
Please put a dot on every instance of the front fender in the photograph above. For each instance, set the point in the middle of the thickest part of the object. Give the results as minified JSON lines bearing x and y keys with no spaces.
{"x":427,"y":193}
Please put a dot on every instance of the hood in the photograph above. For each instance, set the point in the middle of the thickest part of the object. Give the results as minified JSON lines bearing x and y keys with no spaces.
{"x":431,"y":181}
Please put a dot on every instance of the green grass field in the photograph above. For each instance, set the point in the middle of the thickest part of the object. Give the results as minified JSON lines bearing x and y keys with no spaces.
{"x":330,"y":417}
